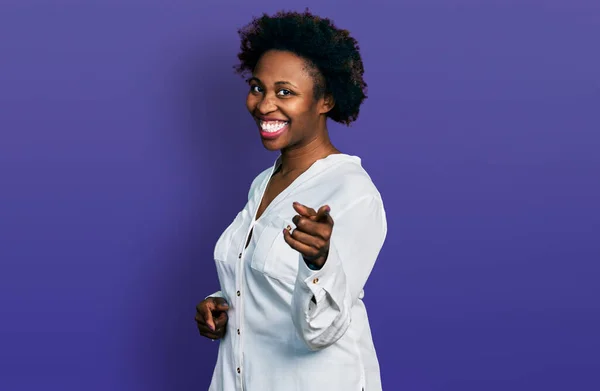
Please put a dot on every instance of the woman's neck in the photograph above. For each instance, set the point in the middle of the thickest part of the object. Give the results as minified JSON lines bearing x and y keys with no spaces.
{"x":300,"y":159}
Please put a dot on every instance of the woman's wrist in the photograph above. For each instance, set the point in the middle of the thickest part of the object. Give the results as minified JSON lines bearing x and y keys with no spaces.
{"x":311,"y":265}
{"x":315,"y":264}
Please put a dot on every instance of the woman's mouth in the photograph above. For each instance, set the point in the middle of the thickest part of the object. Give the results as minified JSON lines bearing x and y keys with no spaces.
{"x":272,"y":128}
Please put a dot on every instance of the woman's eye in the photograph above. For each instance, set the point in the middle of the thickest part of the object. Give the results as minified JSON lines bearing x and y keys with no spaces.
{"x":284,"y":92}
{"x":254,"y":88}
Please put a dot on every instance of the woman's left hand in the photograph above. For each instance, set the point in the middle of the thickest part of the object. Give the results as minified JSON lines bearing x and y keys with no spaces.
{"x":312,"y":234}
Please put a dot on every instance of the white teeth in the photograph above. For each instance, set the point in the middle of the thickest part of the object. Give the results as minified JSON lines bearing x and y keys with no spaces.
{"x":272,"y":126}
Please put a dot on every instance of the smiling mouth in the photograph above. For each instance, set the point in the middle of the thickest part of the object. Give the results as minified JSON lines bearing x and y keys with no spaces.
{"x":272,"y":126}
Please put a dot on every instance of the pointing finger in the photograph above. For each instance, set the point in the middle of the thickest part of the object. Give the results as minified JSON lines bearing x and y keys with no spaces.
{"x":304,"y":210}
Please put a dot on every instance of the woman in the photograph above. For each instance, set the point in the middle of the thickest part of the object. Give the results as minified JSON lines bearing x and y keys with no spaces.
{"x":293,"y":263}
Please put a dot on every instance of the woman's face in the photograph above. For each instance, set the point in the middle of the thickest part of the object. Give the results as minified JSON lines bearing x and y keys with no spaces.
{"x":281,"y":101}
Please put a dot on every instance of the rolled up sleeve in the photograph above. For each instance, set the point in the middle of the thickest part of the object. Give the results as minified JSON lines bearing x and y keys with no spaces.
{"x":358,"y":235}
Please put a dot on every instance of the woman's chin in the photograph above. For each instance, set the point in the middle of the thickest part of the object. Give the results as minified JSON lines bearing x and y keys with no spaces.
{"x":273,"y":144}
{"x":271,"y":148}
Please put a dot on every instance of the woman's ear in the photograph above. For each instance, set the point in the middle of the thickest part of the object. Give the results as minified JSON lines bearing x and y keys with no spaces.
{"x":327,"y":103}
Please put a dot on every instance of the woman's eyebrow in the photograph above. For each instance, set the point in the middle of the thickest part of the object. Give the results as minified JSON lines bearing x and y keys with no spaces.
{"x":281,"y":82}
{"x":285,"y":83}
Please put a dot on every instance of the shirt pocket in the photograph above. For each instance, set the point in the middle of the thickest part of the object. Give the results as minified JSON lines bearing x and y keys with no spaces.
{"x":230,"y":240}
{"x":272,"y":256}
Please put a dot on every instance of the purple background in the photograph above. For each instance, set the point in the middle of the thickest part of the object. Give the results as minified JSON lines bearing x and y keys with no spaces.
{"x":126,"y":149}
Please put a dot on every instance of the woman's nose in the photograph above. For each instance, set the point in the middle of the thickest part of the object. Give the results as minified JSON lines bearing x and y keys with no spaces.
{"x":266,"y":105}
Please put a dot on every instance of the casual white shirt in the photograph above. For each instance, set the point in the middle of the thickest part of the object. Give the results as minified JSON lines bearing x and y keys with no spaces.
{"x":277,"y":338}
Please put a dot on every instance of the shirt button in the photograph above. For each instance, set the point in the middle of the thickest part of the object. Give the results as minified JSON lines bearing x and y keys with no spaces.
{"x":239,"y":370}
{"x":316,"y":280}
{"x":238,"y":293}
{"x":238,"y":331}
{"x":240,"y":256}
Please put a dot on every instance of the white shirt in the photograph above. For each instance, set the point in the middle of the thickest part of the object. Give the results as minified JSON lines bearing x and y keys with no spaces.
{"x":277,"y":339}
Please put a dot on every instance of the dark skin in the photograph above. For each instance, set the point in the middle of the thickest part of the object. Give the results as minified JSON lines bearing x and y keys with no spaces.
{"x":282,"y":89}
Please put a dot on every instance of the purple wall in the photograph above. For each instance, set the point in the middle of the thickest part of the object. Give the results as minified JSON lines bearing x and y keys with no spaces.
{"x":125,"y":149}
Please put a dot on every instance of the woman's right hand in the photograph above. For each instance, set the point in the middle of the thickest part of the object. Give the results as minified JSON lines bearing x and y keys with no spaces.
{"x":211,"y":316}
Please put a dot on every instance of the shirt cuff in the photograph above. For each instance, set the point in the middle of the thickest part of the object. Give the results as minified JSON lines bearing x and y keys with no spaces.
{"x":216,"y":294}
{"x":326,"y":285}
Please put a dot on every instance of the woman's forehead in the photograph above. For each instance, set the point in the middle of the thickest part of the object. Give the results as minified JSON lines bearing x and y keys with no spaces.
{"x":278,"y":66}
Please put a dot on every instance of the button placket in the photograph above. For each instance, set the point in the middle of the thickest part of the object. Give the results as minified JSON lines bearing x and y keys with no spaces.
{"x":240,"y":304}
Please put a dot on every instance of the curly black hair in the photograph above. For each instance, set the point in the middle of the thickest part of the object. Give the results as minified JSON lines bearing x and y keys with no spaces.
{"x":331,"y":51}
